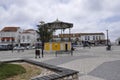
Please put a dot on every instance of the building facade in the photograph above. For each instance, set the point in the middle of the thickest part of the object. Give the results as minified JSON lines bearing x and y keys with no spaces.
{"x":10,"y":35}
{"x":117,"y":41}
{"x":17,"y":36}
{"x":28,"y":37}
{"x":79,"y":38}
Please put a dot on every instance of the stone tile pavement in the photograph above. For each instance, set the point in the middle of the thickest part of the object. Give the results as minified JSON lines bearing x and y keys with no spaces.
{"x":93,"y":64}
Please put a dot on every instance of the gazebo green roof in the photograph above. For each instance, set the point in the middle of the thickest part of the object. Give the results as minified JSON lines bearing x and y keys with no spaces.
{"x":58,"y":25}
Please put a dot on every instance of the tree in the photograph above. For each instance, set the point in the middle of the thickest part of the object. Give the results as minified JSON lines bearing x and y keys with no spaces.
{"x":45,"y":34}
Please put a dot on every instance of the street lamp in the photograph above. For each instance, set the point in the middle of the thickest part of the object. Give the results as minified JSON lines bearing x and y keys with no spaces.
{"x":108,"y":42}
{"x":107,"y":37}
{"x":18,"y":40}
{"x":12,"y":45}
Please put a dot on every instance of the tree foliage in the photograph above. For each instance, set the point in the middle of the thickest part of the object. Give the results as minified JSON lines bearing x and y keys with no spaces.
{"x":44,"y":33}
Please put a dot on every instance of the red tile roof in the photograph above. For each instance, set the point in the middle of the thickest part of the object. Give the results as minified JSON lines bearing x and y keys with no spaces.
{"x":25,"y":32}
{"x":30,"y":30}
{"x":10,"y":29}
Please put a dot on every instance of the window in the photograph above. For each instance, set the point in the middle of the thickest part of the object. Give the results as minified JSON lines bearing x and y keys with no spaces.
{"x":12,"y":39}
{"x":28,"y":37}
{"x":99,"y":37}
{"x":88,"y":37}
{"x":93,"y":37}
{"x":85,"y":37}
{"x":96,"y":37}
{"x":3,"y":40}
{"x":7,"y":40}
{"x":23,"y":38}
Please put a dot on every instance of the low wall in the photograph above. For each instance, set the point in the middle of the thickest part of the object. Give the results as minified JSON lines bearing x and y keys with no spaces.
{"x":60,"y":73}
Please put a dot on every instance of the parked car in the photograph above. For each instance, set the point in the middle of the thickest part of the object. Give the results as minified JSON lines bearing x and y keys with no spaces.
{"x":6,"y":47}
{"x":3,"y":48}
{"x":30,"y":47}
{"x":18,"y":48}
{"x":33,"y":47}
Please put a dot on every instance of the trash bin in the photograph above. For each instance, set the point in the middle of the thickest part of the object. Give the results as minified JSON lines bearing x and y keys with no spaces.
{"x":108,"y":47}
{"x":37,"y":53}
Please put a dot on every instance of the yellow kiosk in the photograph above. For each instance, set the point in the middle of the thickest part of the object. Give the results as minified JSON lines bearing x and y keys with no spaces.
{"x":57,"y":46}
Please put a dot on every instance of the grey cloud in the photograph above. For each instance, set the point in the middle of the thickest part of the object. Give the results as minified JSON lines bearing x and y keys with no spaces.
{"x":115,"y":18}
{"x":93,"y":5}
{"x":6,"y":4}
{"x":86,"y":15}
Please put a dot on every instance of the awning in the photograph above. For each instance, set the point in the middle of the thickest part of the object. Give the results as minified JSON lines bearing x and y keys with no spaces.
{"x":7,"y":38}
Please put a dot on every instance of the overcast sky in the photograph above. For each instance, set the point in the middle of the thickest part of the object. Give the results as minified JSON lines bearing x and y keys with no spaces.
{"x":86,"y":15}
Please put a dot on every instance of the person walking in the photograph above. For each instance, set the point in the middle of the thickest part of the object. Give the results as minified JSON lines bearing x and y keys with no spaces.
{"x":72,"y":49}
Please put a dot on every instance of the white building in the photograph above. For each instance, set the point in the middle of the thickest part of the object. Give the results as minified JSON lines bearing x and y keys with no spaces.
{"x":117,"y":41}
{"x":28,"y":37}
{"x":16,"y":36}
{"x":92,"y":36}
{"x":97,"y":38}
{"x":10,"y":35}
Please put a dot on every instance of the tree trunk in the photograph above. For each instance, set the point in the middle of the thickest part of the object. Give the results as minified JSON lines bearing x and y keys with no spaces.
{"x":42,"y":48}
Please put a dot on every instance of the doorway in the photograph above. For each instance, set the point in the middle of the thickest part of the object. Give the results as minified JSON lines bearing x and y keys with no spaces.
{"x":66,"y":47}
{"x":119,"y":43}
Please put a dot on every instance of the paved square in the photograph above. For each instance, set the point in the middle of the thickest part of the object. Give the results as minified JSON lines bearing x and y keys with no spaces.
{"x":92,"y":63}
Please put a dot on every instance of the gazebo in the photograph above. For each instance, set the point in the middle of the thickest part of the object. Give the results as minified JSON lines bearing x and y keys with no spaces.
{"x":59,"y":25}
{"x":61,"y":45}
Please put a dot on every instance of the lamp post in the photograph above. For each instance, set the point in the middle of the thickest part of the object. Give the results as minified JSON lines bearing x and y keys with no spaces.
{"x":107,"y":37}
{"x":19,"y":41}
{"x":108,"y":42}
{"x":12,"y":46}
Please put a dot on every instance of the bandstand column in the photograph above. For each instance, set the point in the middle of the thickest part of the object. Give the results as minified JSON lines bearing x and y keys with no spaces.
{"x":61,"y":35}
{"x":69,"y":34}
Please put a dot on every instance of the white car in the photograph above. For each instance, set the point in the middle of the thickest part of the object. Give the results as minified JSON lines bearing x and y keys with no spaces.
{"x":30,"y":47}
{"x":18,"y":48}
